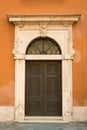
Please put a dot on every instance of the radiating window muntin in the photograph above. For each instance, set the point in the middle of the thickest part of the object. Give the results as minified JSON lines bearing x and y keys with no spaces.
{"x":43,"y":45}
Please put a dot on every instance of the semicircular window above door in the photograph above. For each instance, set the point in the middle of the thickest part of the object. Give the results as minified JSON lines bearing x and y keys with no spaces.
{"x":43,"y":45}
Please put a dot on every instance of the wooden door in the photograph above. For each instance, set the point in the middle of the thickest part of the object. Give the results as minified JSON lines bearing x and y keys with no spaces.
{"x":43,"y":91}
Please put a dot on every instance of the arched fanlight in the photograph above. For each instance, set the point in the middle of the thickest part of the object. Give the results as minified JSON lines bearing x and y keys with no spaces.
{"x":43,"y":45}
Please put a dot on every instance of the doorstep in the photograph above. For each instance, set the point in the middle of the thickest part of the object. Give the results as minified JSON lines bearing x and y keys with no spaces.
{"x":46,"y":119}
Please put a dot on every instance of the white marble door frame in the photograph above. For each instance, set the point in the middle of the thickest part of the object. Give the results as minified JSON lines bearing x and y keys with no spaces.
{"x":29,"y":27}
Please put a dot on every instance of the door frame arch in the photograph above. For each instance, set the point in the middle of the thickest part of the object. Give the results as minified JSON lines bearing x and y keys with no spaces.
{"x":58,"y":27}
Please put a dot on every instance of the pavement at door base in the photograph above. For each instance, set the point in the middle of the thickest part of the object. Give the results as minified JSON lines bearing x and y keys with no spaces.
{"x":43,"y":126}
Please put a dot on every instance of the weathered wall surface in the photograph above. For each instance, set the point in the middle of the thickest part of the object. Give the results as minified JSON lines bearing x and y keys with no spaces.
{"x":7,"y":38}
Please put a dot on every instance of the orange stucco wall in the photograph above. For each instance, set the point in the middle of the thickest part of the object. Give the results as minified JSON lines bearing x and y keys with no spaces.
{"x":7,"y":39}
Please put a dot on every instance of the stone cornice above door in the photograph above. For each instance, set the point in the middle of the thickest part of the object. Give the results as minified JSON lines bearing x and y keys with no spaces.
{"x":59,"y":19}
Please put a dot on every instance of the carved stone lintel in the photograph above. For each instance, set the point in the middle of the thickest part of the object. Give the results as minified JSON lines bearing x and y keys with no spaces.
{"x":43,"y":32}
{"x":61,"y":19}
{"x":43,"y":29}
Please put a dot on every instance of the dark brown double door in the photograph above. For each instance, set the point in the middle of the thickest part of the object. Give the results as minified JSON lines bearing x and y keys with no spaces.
{"x":43,"y":91}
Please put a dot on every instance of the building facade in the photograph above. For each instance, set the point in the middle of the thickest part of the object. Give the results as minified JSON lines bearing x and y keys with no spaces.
{"x":43,"y":60}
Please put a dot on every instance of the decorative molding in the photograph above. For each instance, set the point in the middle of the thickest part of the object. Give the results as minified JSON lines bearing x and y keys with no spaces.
{"x":43,"y":31}
{"x":61,"y":19}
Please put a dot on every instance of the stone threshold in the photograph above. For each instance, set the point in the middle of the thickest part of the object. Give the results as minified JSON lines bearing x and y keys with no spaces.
{"x":44,"y":119}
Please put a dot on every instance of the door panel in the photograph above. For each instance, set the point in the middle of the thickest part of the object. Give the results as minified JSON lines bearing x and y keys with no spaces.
{"x":32,"y":91}
{"x":53,"y":96}
{"x":43,"y":88}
